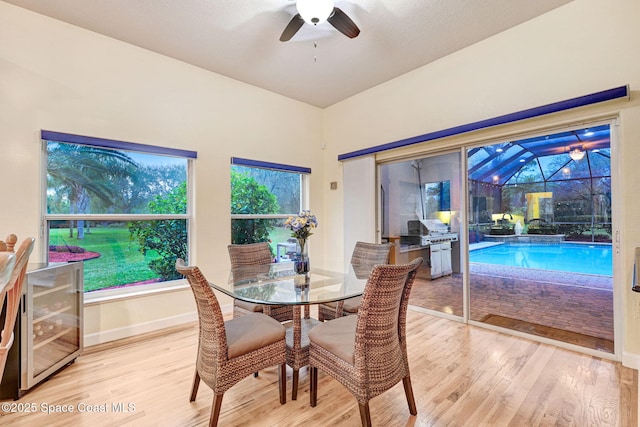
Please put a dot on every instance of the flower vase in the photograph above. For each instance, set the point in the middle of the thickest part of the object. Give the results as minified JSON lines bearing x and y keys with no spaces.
{"x":301,"y":260}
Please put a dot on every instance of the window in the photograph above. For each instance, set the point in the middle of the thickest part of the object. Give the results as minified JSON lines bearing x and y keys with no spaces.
{"x":263,"y":196}
{"x":123,"y":208}
{"x":539,"y":179}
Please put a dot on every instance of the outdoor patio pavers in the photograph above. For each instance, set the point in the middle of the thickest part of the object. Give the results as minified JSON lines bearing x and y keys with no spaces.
{"x":573,"y":302}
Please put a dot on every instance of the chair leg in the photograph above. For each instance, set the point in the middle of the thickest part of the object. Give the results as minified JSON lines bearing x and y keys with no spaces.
{"x":365,"y":414}
{"x":215,"y":409}
{"x":294,"y":384}
{"x":194,"y":387}
{"x":339,"y":309}
{"x":313,"y":386}
{"x":282,"y":383}
{"x":408,"y":391}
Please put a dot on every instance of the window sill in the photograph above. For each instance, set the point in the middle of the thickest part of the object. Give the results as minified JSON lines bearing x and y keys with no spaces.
{"x":111,"y":295}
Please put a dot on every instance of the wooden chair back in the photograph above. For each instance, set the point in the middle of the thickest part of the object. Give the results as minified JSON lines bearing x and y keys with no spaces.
{"x":7,"y":263}
{"x":12,"y":293}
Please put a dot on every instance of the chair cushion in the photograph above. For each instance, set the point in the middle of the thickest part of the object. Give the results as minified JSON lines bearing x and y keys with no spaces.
{"x":251,"y":332}
{"x":331,"y":304}
{"x":351,"y":305}
{"x":337,"y":336}
{"x":249,"y":306}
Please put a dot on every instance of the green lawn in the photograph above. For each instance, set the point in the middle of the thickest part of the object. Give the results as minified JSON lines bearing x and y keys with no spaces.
{"x":120,"y":261}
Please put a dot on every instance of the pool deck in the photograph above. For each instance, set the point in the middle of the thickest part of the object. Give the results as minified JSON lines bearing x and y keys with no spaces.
{"x":574,"y":302}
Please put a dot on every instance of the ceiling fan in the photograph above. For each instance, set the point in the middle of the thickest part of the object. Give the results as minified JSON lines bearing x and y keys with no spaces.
{"x":316,"y":12}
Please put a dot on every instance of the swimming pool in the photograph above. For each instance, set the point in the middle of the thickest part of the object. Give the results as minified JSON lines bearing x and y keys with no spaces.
{"x":568,"y":257}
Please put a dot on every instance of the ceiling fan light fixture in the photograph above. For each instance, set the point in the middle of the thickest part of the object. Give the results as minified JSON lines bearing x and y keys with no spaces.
{"x":576,"y":154}
{"x":315,"y":11}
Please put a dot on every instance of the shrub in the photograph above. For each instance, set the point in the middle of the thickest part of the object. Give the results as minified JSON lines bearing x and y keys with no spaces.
{"x":167,"y":238}
{"x":250,"y":197}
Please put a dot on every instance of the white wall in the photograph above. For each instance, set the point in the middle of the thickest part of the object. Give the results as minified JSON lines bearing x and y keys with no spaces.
{"x":583,"y":47}
{"x":58,"y":77}
{"x":359,"y":195}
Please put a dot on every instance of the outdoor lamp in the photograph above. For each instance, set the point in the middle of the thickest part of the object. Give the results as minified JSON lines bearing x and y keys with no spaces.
{"x":576,"y":153}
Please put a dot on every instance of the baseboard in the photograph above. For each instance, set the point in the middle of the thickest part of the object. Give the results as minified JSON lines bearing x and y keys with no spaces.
{"x":137,"y":329}
{"x":631,"y":360}
{"x":146,"y":327}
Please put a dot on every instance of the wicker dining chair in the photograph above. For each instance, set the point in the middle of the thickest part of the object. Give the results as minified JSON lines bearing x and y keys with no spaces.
{"x":255,"y":254}
{"x":367,"y":353}
{"x":259,"y":255}
{"x":11,"y":295}
{"x":364,"y":257}
{"x":232,"y":350}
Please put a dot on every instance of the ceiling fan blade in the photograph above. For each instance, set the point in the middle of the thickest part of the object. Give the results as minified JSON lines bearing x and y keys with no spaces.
{"x":292,"y":28}
{"x":343,"y":23}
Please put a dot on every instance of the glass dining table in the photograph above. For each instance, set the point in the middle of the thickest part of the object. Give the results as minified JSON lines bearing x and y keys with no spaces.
{"x":278,"y":284}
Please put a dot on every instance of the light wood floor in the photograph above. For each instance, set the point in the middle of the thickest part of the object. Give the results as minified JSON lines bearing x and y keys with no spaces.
{"x":462,"y":376}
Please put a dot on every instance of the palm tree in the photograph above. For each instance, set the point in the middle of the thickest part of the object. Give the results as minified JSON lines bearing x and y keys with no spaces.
{"x":79,"y":172}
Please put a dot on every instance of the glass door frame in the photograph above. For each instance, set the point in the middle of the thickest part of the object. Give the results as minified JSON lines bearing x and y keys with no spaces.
{"x":463,"y":146}
{"x":462,"y":237}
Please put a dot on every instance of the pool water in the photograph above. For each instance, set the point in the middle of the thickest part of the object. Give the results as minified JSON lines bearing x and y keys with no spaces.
{"x":569,"y":257}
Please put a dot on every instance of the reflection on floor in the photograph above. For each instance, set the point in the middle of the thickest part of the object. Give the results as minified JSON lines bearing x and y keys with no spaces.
{"x":570,"y":307}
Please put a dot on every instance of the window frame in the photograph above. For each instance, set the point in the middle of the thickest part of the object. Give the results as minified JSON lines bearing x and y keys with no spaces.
{"x":97,"y":296}
{"x":304,"y":173}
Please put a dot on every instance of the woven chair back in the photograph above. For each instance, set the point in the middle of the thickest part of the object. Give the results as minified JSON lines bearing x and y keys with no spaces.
{"x":212,"y":343}
{"x":250,"y":254}
{"x":366,"y":255}
{"x":379,"y":354}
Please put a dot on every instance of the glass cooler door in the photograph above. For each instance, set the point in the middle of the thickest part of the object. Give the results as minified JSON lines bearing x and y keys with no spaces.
{"x":53,"y":320}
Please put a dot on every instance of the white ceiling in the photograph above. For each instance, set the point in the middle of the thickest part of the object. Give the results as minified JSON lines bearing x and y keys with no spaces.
{"x":319,"y":65}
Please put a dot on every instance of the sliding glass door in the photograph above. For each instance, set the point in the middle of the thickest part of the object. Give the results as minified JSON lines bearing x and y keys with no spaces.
{"x":540,"y":234}
{"x":421,"y":214}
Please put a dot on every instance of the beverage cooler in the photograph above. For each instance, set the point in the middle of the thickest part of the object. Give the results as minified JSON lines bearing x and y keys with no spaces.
{"x":49,"y":333}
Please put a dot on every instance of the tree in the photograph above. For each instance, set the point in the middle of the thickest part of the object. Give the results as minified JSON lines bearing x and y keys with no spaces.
{"x":168,"y":238}
{"x":137,"y":190}
{"x":250,"y":198}
{"x":279,"y":183}
{"x":78,"y":172}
